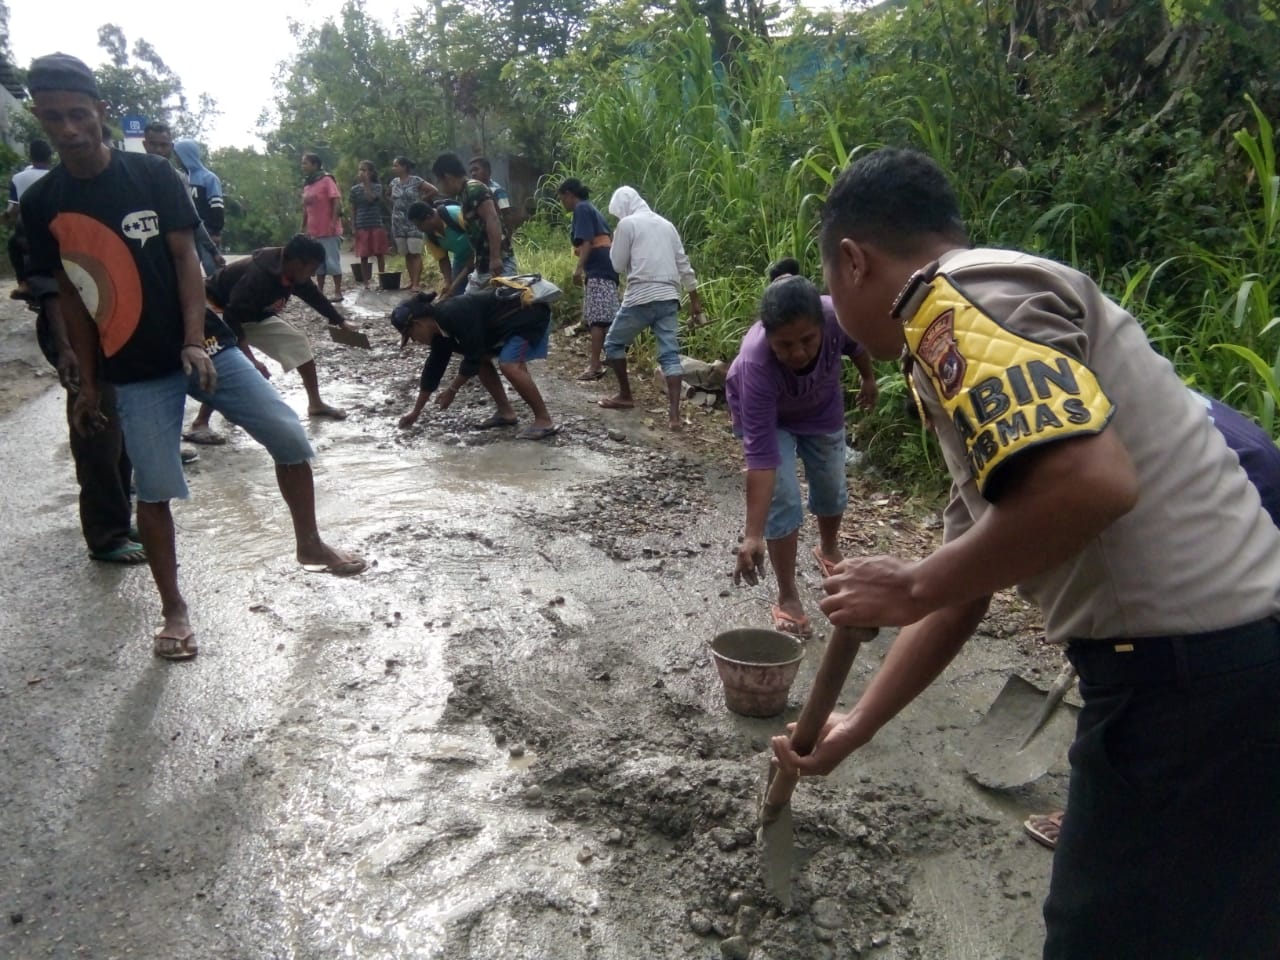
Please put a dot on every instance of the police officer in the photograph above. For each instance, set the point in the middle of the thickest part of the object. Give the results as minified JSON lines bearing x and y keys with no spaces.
{"x":1085,"y":473}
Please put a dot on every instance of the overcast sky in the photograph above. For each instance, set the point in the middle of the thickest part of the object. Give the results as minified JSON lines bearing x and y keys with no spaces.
{"x":227,"y":48}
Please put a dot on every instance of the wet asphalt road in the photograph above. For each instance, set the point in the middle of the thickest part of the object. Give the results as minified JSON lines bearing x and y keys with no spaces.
{"x":344,"y":770}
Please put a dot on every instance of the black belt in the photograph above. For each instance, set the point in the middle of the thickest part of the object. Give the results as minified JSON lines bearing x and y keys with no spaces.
{"x":1153,"y":660}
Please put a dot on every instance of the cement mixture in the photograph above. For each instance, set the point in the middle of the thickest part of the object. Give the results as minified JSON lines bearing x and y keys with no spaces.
{"x":506,"y":740}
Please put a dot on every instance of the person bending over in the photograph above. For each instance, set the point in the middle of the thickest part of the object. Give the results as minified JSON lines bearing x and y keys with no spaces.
{"x":250,"y":294}
{"x":484,"y":326}
{"x":786,"y":399}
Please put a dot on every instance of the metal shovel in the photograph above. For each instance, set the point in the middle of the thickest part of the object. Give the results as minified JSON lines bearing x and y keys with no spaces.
{"x":1022,"y":735}
{"x":352,"y":338}
{"x":775,"y":833}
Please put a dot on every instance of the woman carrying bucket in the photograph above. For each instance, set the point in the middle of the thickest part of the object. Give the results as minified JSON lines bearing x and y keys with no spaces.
{"x":786,"y":399}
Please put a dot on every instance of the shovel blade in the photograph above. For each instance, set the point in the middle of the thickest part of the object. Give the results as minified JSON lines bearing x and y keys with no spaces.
{"x":993,"y":751}
{"x":352,"y":338}
{"x":777,"y":853}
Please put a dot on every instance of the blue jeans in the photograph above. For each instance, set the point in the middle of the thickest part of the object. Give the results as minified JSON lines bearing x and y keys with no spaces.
{"x":823,"y":456}
{"x":151,"y":417}
{"x":662,"y":317}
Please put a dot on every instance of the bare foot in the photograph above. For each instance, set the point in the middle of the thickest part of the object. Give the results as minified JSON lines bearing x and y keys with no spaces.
{"x":616,"y":403}
{"x":676,"y":424}
{"x":324,"y":410}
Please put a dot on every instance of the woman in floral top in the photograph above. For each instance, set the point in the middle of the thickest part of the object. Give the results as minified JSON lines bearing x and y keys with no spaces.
{"x":407,"y":189}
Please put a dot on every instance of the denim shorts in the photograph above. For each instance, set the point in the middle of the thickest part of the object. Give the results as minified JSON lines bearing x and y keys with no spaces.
{"x":151,"y":416}
{"x":332,"y":266}
{"x":823,"y":456}
{"x":517,"y":349}
{"x":662,"y":317}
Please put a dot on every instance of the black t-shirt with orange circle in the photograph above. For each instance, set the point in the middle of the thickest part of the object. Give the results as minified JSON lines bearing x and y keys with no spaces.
{"x":108,"y":234}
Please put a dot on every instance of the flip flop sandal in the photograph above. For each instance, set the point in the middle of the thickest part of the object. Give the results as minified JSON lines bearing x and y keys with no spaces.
{"x":168,"y":647}
{"x":204,"y":436}
{"x":495,"y":421}
{"x":1044,"y":828}
{"x":783,"y":622}
{"x":129,"y":554}
{"x":537,"y":433}
{"x":342,"y":568}
{"x":828,"y":568}
{"x":591,"y":376}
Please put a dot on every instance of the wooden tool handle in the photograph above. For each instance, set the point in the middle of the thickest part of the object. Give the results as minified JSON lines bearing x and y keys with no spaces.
{"x":827,"y":684}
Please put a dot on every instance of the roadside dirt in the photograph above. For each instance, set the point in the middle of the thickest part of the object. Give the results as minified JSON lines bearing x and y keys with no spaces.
{"x":507,"y":740}
{"x":24,"y":372}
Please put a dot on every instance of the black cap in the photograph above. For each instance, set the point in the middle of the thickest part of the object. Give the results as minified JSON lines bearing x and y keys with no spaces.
{"x":61,"y":71}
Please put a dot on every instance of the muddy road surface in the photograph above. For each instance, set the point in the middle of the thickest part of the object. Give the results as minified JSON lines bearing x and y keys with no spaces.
{"x":505,"y":740}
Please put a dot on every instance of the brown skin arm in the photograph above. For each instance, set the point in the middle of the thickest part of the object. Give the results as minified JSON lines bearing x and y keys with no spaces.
{"x":869,"y":390}
{"x":493,"y":230}
{"x":750,"y":566}
{"x":68,"y":364}
{"x":191,"y":298}
{"x":1061,"y":497}
{"x":695,"y":307}
{"x":580,"y":274}
{"x":918,"y":655}
{"x":452,"y":283}
{"x":82,"y":336}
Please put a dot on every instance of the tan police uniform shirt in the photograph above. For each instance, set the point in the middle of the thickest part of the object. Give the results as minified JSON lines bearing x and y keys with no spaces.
{"x":1011,"y":351}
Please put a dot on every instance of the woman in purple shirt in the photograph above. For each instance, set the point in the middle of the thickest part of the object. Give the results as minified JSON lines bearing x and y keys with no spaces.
{"x":786,"y":399}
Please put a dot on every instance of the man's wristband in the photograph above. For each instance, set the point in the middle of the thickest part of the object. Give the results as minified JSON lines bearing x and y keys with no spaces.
{"x":194,"y":346}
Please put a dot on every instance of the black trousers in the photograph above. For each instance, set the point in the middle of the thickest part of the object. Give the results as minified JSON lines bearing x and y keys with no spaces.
{"x":105,"y":474}
{"x":1169,"y":847}
{"x":18,"y":251}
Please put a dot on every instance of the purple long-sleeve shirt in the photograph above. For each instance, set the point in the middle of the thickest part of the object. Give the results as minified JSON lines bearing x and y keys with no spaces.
{"x":764,"y":396}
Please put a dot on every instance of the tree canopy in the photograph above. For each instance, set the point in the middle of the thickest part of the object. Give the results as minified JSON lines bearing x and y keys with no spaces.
{"x":138,"y":82}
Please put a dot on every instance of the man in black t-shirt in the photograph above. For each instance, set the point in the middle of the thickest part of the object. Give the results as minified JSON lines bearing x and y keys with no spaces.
{"x":250,"y":294}
{"x":482,"y":327}
{"x":116,"y":230}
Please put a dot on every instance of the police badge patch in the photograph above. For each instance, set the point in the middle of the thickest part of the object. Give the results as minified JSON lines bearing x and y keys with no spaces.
{"x":940,"y":352}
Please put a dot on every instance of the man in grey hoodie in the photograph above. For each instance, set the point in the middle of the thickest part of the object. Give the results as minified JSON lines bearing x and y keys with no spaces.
{"x":647,"y":250}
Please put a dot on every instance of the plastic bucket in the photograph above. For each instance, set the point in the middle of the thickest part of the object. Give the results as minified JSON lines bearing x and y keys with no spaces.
{"x":757,"y":668}
{"x":358,"y":271}
{"x":389,"y":281}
